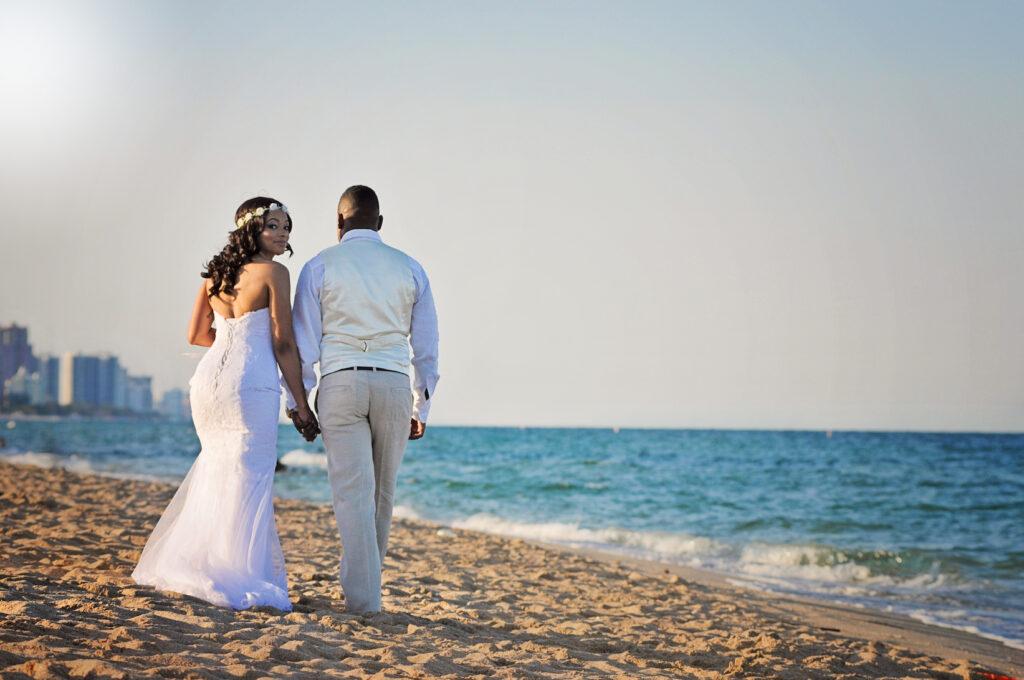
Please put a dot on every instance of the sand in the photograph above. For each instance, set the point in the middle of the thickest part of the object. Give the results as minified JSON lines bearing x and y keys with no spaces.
{"x":456,"y":604}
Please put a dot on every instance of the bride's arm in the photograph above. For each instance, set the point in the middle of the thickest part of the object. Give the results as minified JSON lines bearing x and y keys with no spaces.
{"x":285,"y":349}
{"x":200,"y":329}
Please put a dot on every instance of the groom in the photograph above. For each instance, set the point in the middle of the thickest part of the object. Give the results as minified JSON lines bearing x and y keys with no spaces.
{"x":359,"y":305}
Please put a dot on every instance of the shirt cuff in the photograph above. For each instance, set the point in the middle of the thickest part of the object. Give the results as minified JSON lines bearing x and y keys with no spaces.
{"x":420,"y":406}
{"x":289,"y":400}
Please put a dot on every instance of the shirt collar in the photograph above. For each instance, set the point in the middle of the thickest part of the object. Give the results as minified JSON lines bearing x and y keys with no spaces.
{"x":360,"y":233}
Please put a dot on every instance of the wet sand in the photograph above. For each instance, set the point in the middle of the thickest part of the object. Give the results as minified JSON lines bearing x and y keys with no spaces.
{"x":456,"y":604}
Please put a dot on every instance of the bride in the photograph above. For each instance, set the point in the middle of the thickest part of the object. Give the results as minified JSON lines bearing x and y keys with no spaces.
{"x":217,"y":539}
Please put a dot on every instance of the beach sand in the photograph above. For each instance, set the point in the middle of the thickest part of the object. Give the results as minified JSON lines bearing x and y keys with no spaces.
{"x":456,"y":604}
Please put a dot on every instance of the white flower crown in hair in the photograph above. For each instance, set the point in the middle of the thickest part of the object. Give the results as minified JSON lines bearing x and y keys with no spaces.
{"x":244,"y":219}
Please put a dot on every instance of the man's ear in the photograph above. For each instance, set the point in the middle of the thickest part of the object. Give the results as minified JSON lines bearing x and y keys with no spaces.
{"x":380,"y":222}
{"x":341,"y":225}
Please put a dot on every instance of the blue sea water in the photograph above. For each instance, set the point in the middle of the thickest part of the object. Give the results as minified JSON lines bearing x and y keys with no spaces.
{"x":930,"y":525}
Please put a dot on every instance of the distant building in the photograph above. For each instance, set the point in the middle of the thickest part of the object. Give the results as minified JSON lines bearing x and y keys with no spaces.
{"x":15,"y":389}
{"x":66,"y":380}
{"x":24,"y":387}
{"x":36,"y":389}
{"x":174,"y":405}
{"x":140,"y":393}
{"x":121,"y":388}
{"x":86,"y":380}
{"x":109,"y":381}
{"x":49,"y":377}
{"x":15,"y":352}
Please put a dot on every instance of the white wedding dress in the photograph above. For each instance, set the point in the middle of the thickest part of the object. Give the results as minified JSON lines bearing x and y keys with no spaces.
{"x":217,"y":540}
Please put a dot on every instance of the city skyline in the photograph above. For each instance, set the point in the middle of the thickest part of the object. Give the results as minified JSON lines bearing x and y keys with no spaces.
{"x":70,"y":379}
{"x":670,"y":215}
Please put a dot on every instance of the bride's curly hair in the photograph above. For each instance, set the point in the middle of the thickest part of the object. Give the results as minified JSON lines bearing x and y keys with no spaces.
{"x":243,"y":245}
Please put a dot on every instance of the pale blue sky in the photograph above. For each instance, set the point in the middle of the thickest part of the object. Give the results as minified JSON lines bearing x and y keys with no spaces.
{"x":657,"y":214}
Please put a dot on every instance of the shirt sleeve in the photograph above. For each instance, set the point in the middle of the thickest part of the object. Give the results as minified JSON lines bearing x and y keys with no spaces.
{"x":423,"y":338}
{"x":307,"y":324}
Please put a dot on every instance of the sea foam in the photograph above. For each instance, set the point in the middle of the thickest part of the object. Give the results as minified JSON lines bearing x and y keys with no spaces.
{"x":303,"y":458}
{"x":814,"y":567}
{"x":43,"y":459}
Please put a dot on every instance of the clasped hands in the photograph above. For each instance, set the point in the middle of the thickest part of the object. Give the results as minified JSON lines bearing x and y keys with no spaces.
{"x":305,"y":422}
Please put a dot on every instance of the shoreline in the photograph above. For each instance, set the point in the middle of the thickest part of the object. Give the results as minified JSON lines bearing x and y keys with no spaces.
{"x":457,"y":603}
{"x":866,"y":623}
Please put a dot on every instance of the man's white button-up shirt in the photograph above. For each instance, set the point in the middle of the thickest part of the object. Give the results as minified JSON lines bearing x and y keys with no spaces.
{"x":423,"y":335}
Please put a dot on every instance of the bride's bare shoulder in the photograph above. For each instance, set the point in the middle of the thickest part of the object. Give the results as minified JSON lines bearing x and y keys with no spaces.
{"x":262,"y":264}
{"x":267,"y":268}
{"x":269,"y":273}
{"x":258,"y":268}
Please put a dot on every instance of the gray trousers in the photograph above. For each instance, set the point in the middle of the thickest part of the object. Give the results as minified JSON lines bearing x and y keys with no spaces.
{"x":364,"y":417}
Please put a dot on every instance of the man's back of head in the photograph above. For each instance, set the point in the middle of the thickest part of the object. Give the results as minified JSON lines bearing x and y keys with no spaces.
{"x":358,"y":208}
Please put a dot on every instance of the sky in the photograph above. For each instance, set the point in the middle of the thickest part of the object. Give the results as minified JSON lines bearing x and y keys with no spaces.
{"x":680,"y":214}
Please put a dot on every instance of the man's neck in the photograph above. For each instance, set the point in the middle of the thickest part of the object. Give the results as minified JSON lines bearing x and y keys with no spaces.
{"x":349,"y":230}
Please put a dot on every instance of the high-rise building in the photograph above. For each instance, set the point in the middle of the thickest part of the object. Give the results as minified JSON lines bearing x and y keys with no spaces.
{"x":15,"y":352}
{"x":86,"y":380}
{"x":121,"y":388}
{"x":66,"y":391}
{"x":23,"y":387}
{"x":36,"y":389}
{"x":49,"y":377}
{"x":140,"y":393}
{"x":108,"y":375}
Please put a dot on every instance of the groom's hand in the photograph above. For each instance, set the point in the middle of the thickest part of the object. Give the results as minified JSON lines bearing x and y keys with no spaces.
{"x":416,"y":429}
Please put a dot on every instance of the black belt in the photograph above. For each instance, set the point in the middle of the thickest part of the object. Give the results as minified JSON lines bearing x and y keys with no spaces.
{"x":367,"y":368}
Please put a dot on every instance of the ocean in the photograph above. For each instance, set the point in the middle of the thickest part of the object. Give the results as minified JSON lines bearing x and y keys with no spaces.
{"x":928,"y":525}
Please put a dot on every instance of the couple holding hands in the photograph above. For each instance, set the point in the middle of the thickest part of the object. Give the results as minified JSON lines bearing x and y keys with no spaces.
{"x":360,"y":305}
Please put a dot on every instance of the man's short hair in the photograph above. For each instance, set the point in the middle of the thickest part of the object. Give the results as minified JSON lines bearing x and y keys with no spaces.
{"x":362,"y":200}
